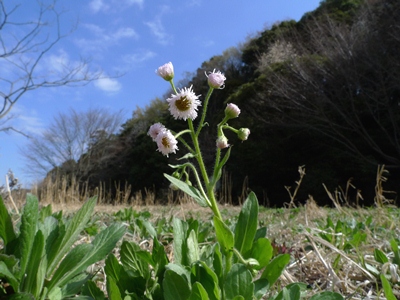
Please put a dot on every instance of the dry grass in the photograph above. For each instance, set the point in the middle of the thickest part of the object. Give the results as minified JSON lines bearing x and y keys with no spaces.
{"x":321,"y":264}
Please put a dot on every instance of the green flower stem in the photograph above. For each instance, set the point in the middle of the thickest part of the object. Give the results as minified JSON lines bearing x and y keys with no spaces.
{"x":226,"y":126}
{"x":173,"y":86}
{"x":199,"y":157}
{"x":203,"y":115}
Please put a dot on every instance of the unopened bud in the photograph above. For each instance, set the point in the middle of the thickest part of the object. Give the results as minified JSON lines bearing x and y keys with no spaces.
{"x":243,"y":133}
{"x":222,"y":142}
{"x":216,"y":80}
{"x":166,"y":71}
{"x":232,"y":111}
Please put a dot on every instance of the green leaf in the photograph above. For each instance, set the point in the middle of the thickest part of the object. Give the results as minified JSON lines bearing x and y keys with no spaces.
{"x":29,"y":221}
{"x":113,"y":290}
{"x":188,"y":189}
{"x":90,"y":289}
{"x":131,"y":260}
{"x":217,"y":262}
{"x":261,"y":287}
{"x":396,"y":252}
{"x":387,"y":288}
{"x":114,"y":270}
{"x":159,"y":258}
{"x":380,"y":256}
{"x":275,"y":268}
{"x":262,"y":251}
{"x":7,"y":233}
{"x":246,"y":225}
{"x":66,"y":239}
{"x":198,"y":292}
{"x":36,"y":268}
{"x":88,"y":254}
{"x":238,"y":282}
{"x":200,"y":272}
{"x":224,"y":235}
{"x":192,"y":247}
{"x":327,"y":296}
{"x":179,"y":238}
{"x":175,"y":286}
{"x":21,"y":296}
{"x":7,"y":274}
{"x":179,"y":269}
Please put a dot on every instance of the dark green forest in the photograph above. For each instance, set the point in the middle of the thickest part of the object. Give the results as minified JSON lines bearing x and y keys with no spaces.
{"x":323,"y":92}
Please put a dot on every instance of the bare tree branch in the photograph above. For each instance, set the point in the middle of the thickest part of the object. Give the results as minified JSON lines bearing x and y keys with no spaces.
{"x":24,"y":44}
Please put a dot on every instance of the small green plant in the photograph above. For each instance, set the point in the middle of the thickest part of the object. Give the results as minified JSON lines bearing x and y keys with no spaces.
{"x":240,"y":265}
{"x":41,"y":259}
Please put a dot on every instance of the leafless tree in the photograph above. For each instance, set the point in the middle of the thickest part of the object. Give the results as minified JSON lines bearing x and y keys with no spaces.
{"x":75,"y":141}
{"x":341,"y":81}
{"x":24,"y":45}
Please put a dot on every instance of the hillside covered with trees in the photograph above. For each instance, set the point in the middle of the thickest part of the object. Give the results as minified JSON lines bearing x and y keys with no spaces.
{"x":323,"y":92}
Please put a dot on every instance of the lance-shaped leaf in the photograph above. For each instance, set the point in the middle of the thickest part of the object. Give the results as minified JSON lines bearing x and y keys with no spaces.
{"x":68,"y":237}
{"x":246,"y":226}
{"x":83,"y":255}
{"x":7,"y":233}
{"x":188,"y":189}
{"x":224,"y":235}
{"x":29,"y":221}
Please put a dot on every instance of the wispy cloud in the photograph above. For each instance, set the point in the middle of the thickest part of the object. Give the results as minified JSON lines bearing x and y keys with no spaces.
{"x":108,"y":85}
{"x":103,"y":39}
{"x":139,"y":57}
{"x":26,"y":120}
{"x":157,"y":28}
{"x":96,"y":6}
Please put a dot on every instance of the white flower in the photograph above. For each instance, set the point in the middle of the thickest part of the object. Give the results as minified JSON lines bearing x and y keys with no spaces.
{"x":166,"y":142}
{"x":216,"y":80}
{"x":155,"y":129}
{"x":184,"y":104}
{"x":166,"y":71}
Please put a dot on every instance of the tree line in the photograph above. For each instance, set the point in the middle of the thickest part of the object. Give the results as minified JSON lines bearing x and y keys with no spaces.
{"x":323,"y":92}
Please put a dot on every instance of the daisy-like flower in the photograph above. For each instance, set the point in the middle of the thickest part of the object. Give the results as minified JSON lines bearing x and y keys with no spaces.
{"x":155,"y":129}
{"x":166,"y":71}
{"x":216,"y":80}
{"x":243,"y":133}
{"x":184,"y":104}
{"x":166,"y":142}
{"x":232,"y":111}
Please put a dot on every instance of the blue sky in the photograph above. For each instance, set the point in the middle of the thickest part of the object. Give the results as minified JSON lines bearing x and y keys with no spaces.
{"x":133,"y":37}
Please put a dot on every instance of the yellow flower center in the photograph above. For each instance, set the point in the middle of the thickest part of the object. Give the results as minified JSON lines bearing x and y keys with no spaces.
{"x":183,"y":104}
{"x":165,"y":142}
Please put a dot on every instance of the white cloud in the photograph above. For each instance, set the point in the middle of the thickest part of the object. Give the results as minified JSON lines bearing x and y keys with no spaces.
{"x":116,"y":5}
{"x":103,"y":39}
{"x":98,"y":5}
{"x":157,"y":28}
{"x":58,"y":62}
{"x":108,"y":85}
{"x":26,"y":120}
{"x":139,"y":57}
{"x":125,"y":32}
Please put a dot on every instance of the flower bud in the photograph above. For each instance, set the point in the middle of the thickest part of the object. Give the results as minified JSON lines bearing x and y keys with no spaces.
{"x":243,"y":133}
{"x":222,"y":142}
{"x":166,"y":71}
{"x":216,"y":80}
{"x":232,"y":111}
